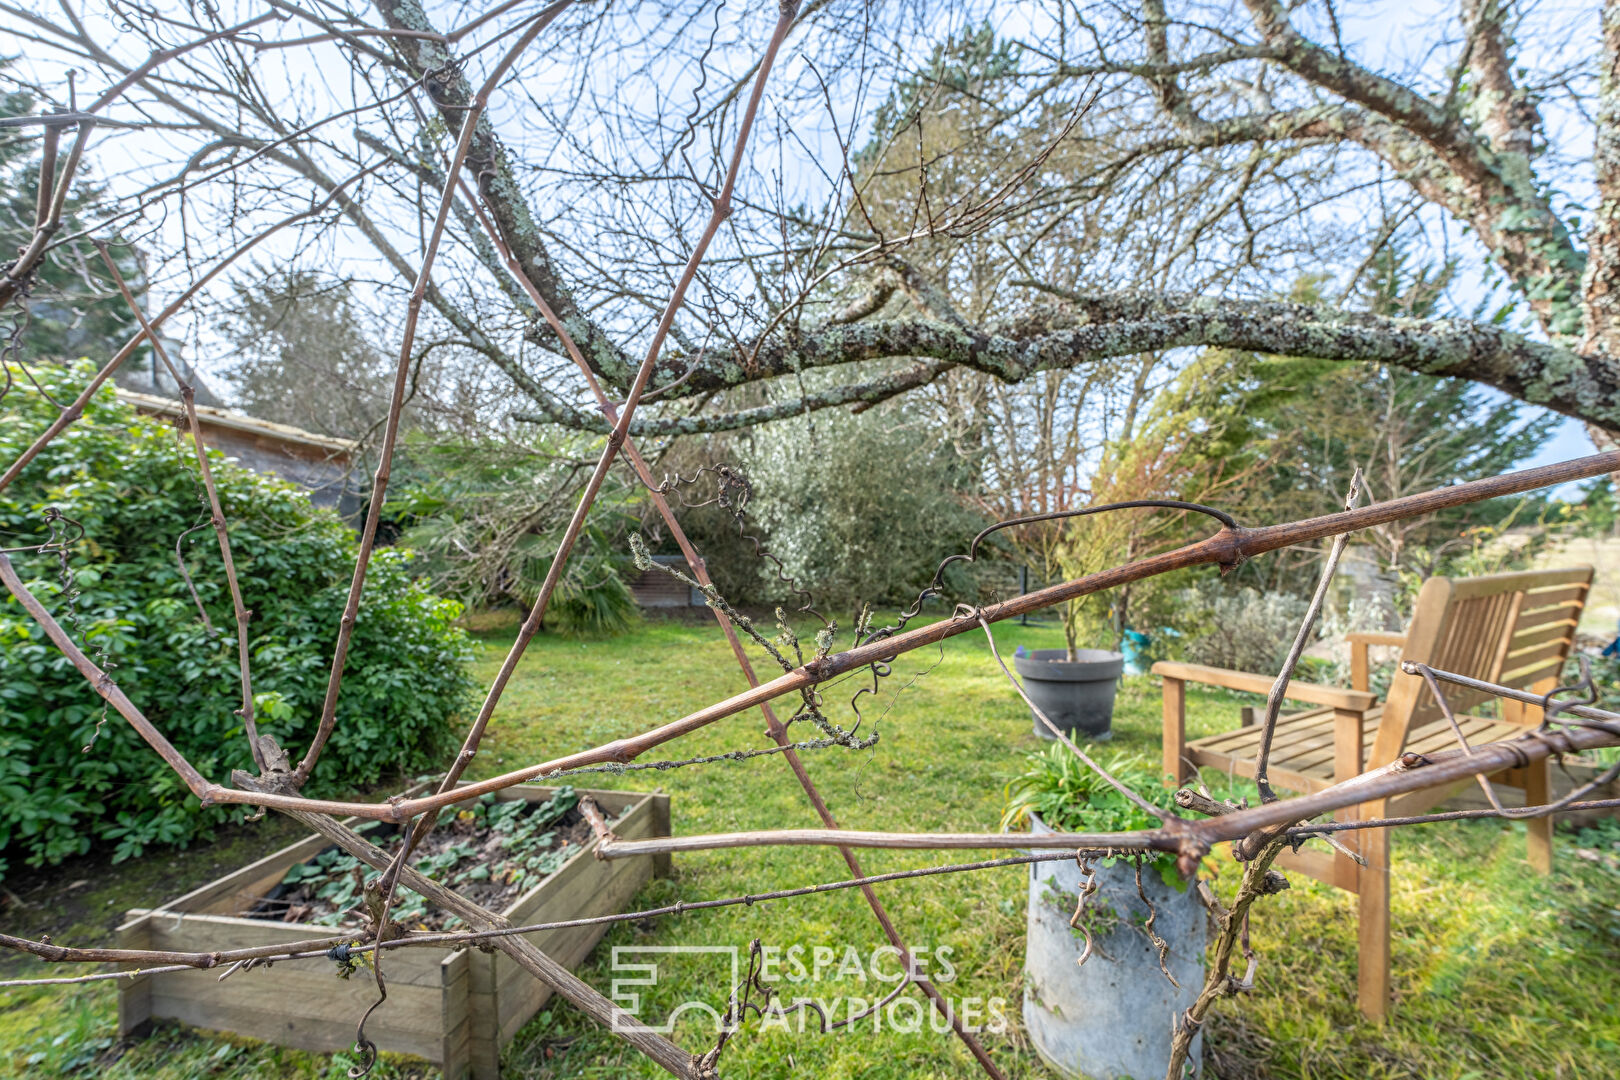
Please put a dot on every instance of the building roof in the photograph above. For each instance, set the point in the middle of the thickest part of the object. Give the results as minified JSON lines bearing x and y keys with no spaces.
{"x":225,"y":418}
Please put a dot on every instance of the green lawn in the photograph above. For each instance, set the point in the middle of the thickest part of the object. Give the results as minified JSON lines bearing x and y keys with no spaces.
{"x":1499,"y":973}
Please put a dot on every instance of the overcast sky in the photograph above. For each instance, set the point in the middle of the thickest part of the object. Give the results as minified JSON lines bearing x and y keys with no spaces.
{"x":1382,"y":33}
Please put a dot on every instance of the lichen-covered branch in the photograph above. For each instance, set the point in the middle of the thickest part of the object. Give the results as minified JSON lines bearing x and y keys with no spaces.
{"x":1488,"y":180}
{"x":861,"y":395}
{"x":1101,"y":327}
{"x":495,"y":181}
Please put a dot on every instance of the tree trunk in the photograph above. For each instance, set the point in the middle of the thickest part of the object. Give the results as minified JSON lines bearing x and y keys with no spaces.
{"x":1601,"y":281}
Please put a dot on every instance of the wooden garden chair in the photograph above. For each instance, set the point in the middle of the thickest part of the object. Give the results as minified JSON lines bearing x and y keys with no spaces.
{"x":1513,"y":629}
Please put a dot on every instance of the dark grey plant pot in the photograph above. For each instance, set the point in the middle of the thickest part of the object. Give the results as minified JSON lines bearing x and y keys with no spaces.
{"x":1076,"y":695}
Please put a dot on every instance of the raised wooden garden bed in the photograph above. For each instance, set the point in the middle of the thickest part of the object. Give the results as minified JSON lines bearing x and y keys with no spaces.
{"x":455,"y":1009}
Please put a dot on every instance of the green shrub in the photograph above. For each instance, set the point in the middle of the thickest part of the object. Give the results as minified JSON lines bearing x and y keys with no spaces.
{"x":862,"y":510}
{"x":132,"y":485}
{"x":1595,"y":512}
{"x":1242,"y":629}
{"x":487,"y":519}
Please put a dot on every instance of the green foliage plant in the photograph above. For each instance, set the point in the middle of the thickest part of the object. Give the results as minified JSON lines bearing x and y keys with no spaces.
{"x":71,"y":773}
{"x":862,"y":509}
{"x":523,"y":855}
{"x":488,"y":518}
{"x":1242,"y":629}
{"x":1069,"y":796}
{"x":1596,"y":514}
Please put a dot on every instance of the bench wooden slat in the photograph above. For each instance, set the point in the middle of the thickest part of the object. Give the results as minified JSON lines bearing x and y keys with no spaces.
{"x":1524,"y":639}
{"x":1246,"y":740}
{"x":1541,"y":598}
{"x":1432,"y":738}
{"x":1536,"y":654}
{"x":1317,"y":760}
{"x":1561,"y":615}
{"x":1315,"y":756}
{"x":1246,"y":736}
{"x":1534,"y":673}
{"x":1244,"y":767}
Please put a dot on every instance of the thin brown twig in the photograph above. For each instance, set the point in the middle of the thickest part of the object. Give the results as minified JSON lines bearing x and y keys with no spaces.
{"x":1457,"y":732}
{"x":22,"y":268}
{"x":1513,"y":693}
{"x":1279,"y":689}
{"x":216,"y":512}
{"x":47,"y":174}
{"x":396,"y":405}
{"x":722,"y":205}
{"x":1077,"y":921}
{"x":1506,"y":813}
{"x":1139,"y":840}
{"x":1160,"y":946}
{"x":345,"y":33}
{"x":1232,"y":922}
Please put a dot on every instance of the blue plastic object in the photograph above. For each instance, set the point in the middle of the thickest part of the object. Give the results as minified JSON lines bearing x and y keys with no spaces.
{"x":1135,"y":647}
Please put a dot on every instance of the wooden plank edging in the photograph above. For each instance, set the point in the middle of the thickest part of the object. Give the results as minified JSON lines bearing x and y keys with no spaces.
{"x":467,"y":1022}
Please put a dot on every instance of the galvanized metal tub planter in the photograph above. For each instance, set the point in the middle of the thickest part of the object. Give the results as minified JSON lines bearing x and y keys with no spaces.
{"x":1111,"y":1018}
{"x":454,"y":1009}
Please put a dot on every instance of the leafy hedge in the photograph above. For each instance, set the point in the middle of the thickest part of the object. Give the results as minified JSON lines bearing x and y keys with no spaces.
{"x":132,"y":484}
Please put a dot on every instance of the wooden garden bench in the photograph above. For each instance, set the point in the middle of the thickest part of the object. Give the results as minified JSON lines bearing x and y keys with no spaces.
{"x":1513,"y":629}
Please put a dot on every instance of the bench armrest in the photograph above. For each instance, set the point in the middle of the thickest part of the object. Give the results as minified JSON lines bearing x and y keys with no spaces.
{"x":1360,"y":668}
{"x":1348,"y":707}
{"x":1312,"y":693}
{"x":1375,"y":637}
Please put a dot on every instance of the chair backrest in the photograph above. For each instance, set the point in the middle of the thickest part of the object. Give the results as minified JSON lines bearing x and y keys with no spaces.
{"x":1513,"y":629}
